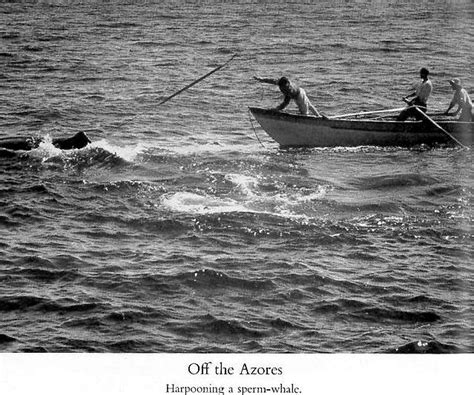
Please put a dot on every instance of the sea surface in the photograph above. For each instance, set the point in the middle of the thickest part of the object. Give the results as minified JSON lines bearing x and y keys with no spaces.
{"x":183,"y":227}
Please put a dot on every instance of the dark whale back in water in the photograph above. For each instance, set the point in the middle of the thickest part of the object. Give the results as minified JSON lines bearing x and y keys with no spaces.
{"x":79,"y":140}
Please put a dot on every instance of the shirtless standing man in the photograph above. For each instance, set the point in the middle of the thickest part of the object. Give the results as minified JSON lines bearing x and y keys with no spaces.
{"x":291,"y":92}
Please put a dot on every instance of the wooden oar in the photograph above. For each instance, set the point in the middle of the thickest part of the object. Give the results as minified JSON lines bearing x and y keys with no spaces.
{"x":196,"y":81}
{"x":428,"y":119}
{"x":366,"y":113}
{"x":438,"y":113}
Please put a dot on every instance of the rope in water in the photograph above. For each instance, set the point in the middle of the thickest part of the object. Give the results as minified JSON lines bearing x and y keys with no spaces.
{"x":254,"y":130}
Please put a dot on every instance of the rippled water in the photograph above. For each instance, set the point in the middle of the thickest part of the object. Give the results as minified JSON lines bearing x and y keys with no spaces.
{"x":183,"y":229}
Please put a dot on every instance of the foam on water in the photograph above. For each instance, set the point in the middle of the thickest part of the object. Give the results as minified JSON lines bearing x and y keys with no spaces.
{"x":251,"y":188}
{"x":216,"y":148}
{"x":201,"y":204}
{"x":278,"y":204}
{"x":245,"y":184}
{"x":128,"y":153}
{"x":46,"y":149}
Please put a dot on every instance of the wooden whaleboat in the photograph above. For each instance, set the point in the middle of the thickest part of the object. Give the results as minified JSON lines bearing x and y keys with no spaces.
{"x":294,"y":130}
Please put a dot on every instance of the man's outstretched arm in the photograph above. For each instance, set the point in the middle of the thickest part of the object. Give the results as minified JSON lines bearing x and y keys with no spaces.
{"x":267,"y":80}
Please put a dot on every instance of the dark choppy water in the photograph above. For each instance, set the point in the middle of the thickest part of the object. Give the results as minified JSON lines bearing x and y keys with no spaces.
{"x":176,"y":231}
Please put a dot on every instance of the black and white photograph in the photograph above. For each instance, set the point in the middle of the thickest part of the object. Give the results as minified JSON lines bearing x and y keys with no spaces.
{"x":221,"y":180}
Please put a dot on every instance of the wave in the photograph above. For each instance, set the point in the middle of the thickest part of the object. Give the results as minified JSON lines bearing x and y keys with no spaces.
{"x":104,"y":320}
{"x":376,"y":314}
{"x":45,"y":275}
{"x":229,"y":327}
{"x":393,"y":181}
{"x":40,"y":189}
{"x":41,"y":114}
{"x":415,"y":299}
{"x":362,"y":310}
{"x":11,"y":35}
{"x":211,"y":278}
{"x":118,"y":25}
{"x":27,"y":303}
{"x":151,"y":44}
{"x":128,"y":153}
{"x":445,"y":189}
{"x":6,"y":339}
{"x":89,"y":158}
{"x":32,"y":48}
{"x":282,"y":324}
{"x":95,"y":97}
{"x":132,"y":345}
{"x":71,"y":344}
{"x":9,"y":154}
{"x":51,"y":38}
{"x":35,"y":261}
{"x":54,"y":265}
{"x":135,"y":315}
{"x":156,"y":226}
{"x":208,"y":325}
{"x":22,"y":213}
{"x":123,"y":186}
{"x":34,"y":349}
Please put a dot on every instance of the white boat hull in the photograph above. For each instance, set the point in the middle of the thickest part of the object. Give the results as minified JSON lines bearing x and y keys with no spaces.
{"x":292,"y":130}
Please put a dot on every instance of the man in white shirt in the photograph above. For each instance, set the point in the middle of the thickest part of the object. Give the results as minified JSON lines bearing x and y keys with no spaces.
{"x":291,"y":92}
{"x":420,"y":97}
{"x":462,"y":99}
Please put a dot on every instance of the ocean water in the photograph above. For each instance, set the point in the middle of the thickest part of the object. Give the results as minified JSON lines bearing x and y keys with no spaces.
{"x":183,"y":227}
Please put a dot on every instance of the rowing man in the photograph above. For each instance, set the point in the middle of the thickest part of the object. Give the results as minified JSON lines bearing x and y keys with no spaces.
{"x":420,"y":97}
{"x":462,"y":100}
{"x":291,"y":92}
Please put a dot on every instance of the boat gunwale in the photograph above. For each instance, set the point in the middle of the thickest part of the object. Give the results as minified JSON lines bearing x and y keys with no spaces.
{"x":351,"y":121}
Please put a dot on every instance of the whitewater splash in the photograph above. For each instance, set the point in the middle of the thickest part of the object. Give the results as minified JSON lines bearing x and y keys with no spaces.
{"x":246,"y":196}
{"x":127,"y":153}
{"x":247,"y":185}
{"x":201,"y":204}
{"x":46,"y":151}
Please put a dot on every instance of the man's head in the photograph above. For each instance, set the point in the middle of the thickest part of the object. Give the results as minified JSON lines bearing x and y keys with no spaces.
{"x":283,"y":81}
{"x":424,"y":73}
{"x":285,"y":86}
{"x":455,"y":83}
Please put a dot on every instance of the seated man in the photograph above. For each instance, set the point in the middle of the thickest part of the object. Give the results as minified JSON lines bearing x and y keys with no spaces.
{"x":462,"y":100}
{"x":420,"y":97}
{"x":291,"y":92}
